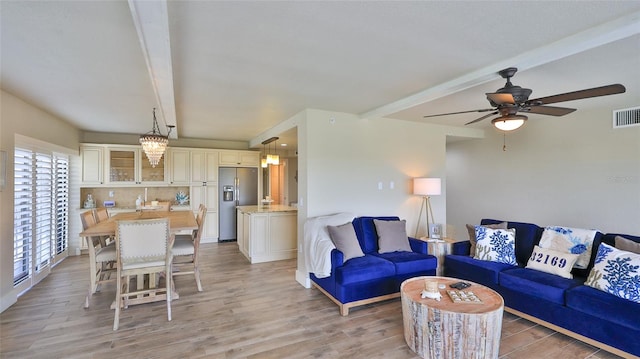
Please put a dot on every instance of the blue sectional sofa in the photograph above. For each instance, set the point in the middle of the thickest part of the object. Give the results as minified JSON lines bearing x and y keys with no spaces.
{"x":566,"y":305}
{"x":373,"y":277}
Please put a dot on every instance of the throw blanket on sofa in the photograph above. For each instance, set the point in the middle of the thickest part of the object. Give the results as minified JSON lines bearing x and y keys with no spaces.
{"x":318,"y":244}
{"x":570,"y":240}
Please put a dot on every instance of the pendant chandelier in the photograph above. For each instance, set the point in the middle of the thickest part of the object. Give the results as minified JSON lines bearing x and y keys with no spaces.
{"x":263,"y":159}
{"x":272,"y":159}
{"x":154,"y":143}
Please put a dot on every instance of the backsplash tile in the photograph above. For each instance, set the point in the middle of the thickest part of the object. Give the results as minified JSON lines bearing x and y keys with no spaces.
{"x":126,"y":196}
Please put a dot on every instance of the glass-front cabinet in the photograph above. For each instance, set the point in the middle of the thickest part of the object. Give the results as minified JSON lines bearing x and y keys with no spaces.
{"x":152,"y":174}
{"x":131,"y":166}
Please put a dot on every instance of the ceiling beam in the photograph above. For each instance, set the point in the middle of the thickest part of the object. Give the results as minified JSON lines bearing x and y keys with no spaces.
{"x":608,"y":32}
{"x":151,"y":20}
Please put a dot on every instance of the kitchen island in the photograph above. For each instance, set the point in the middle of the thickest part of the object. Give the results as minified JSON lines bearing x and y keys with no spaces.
{"x":267,"y":233}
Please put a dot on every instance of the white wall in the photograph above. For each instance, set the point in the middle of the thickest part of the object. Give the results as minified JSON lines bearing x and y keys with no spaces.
{"x":572,"y":171}
{"x":19,"y":117}
{"x":342,"y":158}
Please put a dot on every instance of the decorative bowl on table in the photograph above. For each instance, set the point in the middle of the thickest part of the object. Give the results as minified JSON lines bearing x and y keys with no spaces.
{"x":182,"y":198}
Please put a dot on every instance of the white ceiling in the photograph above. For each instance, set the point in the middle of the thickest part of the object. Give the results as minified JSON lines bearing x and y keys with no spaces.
{"x":238,"y":68}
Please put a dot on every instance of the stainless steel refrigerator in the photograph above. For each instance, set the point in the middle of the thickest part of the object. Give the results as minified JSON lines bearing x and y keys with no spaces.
{"x":236,"y":187}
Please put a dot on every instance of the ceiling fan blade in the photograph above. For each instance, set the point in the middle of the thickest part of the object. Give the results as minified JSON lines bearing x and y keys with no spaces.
{"x":549,"y":110}
{"x":482,"y":118}
{"x":577,"y":95}
{"x":501,"y":98}
{"x":456,"y":113}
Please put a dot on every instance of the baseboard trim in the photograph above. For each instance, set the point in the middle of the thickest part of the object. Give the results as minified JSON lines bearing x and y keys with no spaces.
{"x":303,"y":279}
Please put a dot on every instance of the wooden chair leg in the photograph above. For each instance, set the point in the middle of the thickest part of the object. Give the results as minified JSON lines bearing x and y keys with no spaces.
{"x":197,"y":275}
{"x":169,"y":286}
{"x":116,"y":318}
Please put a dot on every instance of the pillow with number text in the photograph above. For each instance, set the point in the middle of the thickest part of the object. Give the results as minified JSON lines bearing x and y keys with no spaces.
{"x":552,"y":261}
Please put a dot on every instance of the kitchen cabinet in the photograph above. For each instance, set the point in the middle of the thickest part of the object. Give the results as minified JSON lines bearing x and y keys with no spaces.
{"x":267,"y":233}
{"x":243,"y":230}
{"x":130,"y":165}
{"x":206,"y":194}
{"x":239,"y":158}
{"x":179,"y":166}
{"x":204,"y":166}
{"x":92,"y":165}
{"x":204,"y":189}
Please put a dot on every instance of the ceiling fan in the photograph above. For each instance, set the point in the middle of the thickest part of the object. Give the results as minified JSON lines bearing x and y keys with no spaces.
{"x":510,"y":100}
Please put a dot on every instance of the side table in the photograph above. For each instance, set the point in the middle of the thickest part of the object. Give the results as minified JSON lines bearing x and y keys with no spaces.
{"x":439,"y":248}
{"x":445,"y":329}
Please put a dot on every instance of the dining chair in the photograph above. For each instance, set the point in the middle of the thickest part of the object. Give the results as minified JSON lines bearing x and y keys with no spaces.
{"x":143,"y":247}
{"x":101,"y":214}
{"x":102,"y":258}
{"x":185,"y":250}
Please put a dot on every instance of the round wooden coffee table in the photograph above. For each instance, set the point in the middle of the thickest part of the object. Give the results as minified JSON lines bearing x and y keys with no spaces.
{"x":447,"y":329}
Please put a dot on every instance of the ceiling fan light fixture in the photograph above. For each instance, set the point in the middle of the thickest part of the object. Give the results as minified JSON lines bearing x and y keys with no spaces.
{"x":509,"y":123}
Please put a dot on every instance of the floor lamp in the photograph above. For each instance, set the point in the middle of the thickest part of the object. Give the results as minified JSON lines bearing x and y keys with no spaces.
{"x":426,"y":187}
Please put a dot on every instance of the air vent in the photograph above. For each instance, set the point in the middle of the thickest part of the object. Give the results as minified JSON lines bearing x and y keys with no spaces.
{"x":626,"y":117}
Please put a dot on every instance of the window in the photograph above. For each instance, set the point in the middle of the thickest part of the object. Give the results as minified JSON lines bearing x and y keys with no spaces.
{"x":41,"y":213}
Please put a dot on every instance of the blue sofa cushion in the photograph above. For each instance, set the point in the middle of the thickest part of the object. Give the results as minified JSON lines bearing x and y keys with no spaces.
{"x":366,"y":232}
{"x":604,"y":305}
{"x":527,"y":235}
{"x":363,"y":269}
{"x":538,"y":284}
{"x":474,"y":269}
{"x":410,"y":262}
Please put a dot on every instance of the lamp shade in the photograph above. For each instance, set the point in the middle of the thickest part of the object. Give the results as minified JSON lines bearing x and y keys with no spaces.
{"x":427,"y":186}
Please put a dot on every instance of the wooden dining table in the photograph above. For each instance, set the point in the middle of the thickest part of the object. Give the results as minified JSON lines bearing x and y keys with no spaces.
{"x":178,"y":221}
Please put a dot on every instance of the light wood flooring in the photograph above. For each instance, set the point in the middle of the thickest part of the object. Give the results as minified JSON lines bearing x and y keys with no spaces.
{"x":245,"y":311}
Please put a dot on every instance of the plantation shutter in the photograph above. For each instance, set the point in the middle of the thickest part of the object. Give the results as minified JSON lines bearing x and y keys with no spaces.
{"x":23,"y":215}
{"x":41,"y":214}
{"x":61,"y":203}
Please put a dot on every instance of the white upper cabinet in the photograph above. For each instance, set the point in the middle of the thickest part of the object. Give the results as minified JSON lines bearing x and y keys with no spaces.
{"x":204,"y":166}
{"x":130,"y":165}
{"x":179,"y":166}
{"x":92,"y":165}
{"x":239,"y":158}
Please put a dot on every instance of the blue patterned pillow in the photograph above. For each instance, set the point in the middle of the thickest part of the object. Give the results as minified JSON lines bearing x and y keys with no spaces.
{"x":496,"y":245}
{"x":616,"y":272}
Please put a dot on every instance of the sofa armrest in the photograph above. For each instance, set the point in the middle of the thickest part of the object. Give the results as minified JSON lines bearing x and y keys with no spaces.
{"x":462,"y":248}
{"x":337,"y":259}
{"x":418,"y":246}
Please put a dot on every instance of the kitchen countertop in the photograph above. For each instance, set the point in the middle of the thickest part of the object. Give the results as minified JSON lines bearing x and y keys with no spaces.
{"x":266,"y":209}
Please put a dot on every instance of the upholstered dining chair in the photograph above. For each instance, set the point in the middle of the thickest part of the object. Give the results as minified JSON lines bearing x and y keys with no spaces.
{"x":102,"y":258}
{"x":185,"y":250}
{"x":143,"y":247}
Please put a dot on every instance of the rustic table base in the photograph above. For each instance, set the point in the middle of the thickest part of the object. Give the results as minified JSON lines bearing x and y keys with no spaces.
{"x":444,"y":329}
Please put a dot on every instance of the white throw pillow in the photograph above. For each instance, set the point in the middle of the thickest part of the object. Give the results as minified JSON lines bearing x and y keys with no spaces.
{"x":551,"y":261}
{"x":570,"y":240}
{"x":616,"y":272}
{"x":496,"y":245}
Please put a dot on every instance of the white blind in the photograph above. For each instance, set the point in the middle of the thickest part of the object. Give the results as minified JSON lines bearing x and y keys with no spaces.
{"x":61,"y":204}
{"x":23,"y":215}
{"x":43,"y":208}
{"x":41,"y":211}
